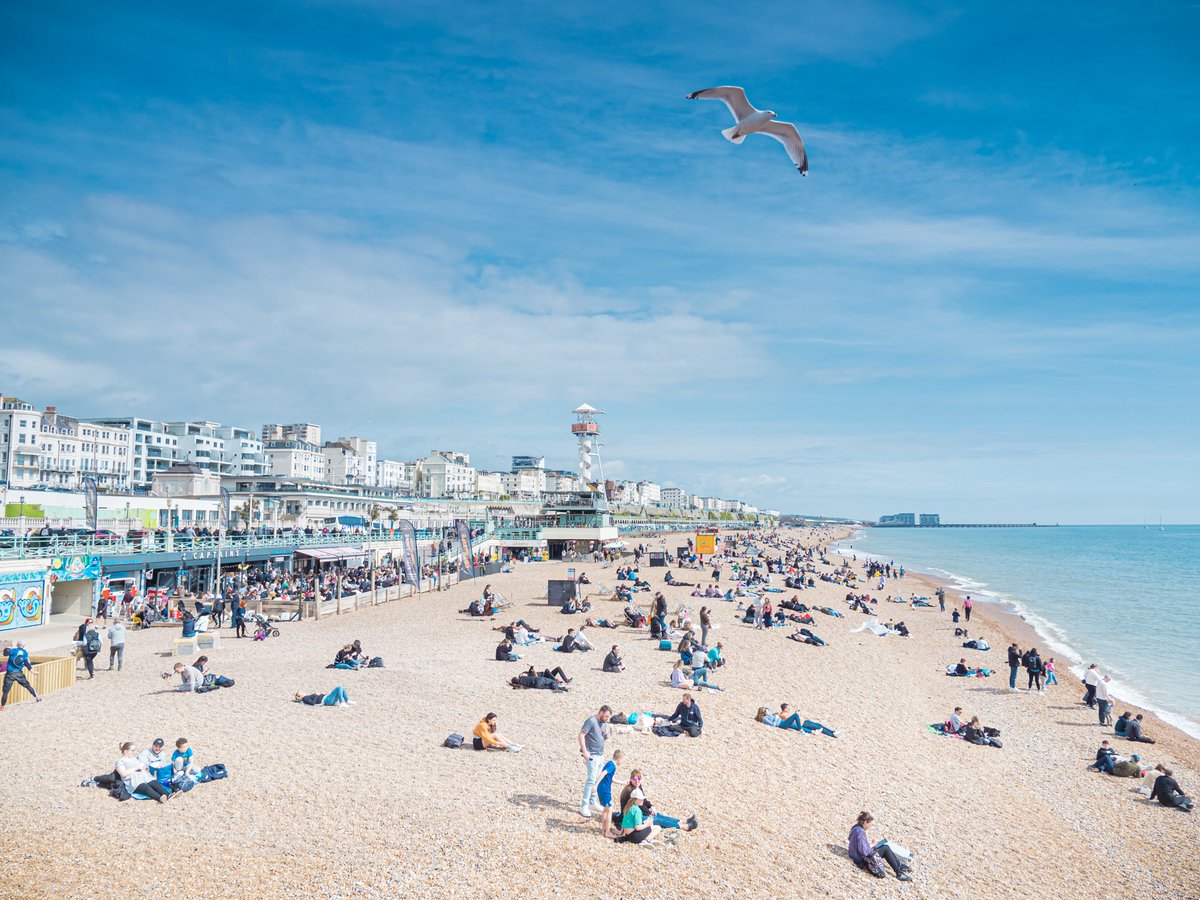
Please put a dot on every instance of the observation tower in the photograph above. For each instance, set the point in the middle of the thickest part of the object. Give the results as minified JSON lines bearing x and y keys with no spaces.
{"x":587,"y":431}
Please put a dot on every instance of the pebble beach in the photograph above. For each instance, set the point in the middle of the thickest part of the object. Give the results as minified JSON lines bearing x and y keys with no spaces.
{"x":364,"y":801}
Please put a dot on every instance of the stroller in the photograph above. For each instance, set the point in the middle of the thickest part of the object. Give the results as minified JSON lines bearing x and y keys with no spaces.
{"x":264,"y":625}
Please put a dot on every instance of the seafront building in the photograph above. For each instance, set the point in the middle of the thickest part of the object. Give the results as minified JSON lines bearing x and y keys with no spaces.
{"x":290,"y":498}
{"x":53,"y":450}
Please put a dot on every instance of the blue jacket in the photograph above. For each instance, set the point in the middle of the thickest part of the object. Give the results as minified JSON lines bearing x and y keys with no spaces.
{"x":688,"y":715}
{"x":18,"y":659}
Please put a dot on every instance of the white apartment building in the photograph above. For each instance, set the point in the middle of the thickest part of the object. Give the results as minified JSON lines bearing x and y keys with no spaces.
{"x":350,"y":461}
{"x":296,"y":459}
{"x":201,"y":445}
{"x":60,"y":451}
{"x":399,"y":476}
{"x":298,"y":431}
{"x":675,"y":498}
{"x":649,"y":493}
{"x":243,"y":451}
{"x":154,"y":449}
{"x":489,"y":485}
{"x":563,"y":482}
{"x":446,"y":474}
{"x":522,"y":485}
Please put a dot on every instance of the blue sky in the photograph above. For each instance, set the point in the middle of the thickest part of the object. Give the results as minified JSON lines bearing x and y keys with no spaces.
{"x":436,"y":227}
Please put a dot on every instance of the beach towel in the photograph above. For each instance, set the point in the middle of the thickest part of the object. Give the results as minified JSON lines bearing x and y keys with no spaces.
{"x":873,"y":626}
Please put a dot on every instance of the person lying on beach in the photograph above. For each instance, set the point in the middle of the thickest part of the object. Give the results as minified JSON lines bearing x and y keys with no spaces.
{"x":336,"y":697}
{"x":670,"y":579}
{"x":871,"y":859}
{"x":613,"y":661}
{"x":830,"y":612}
{"x":544,"y":681}
{"x":977,"y":644}
{"x":600,"y":623}
{"x":786,"y":718}
{"x":523,"y":637}
{"x":487,"y":737}
{"x":804,"y":636}
{"x":1168,"y":792}
{"x":1133,"y":731}
{"x":478,"y":608}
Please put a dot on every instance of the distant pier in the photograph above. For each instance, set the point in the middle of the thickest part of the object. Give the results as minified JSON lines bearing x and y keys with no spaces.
{"x":969,"y":525}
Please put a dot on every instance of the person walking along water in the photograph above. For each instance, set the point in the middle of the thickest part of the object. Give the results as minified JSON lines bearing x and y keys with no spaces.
{"x":591,"y":747}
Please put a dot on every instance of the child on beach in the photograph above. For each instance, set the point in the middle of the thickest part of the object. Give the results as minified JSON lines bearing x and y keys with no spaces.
{"x":604,"y":792}
{"x":1051,"y":678}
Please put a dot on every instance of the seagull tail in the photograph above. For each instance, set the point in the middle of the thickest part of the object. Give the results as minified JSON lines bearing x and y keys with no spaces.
{"x":729,"y":134}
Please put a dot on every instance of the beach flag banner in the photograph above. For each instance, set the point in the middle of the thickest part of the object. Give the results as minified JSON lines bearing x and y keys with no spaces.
{"x":408,"y":543}
{"x":225,"y":523}
{"x":706,"y":544}
{"x":464,"y":540}
{"x":91,"y":502}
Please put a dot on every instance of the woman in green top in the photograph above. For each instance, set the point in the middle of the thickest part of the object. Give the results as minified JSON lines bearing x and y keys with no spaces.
{"x":634,"y":828}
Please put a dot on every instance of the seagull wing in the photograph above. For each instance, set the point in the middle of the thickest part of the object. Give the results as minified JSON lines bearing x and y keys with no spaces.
{"x":786,"y":134}
{"x":733,"y":97}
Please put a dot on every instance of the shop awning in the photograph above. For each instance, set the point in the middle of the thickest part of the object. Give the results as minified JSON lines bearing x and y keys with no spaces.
{"x":332,"y":554}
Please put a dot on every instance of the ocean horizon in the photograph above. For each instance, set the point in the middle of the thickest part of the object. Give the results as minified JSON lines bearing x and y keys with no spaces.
{"x":1124,"y":596}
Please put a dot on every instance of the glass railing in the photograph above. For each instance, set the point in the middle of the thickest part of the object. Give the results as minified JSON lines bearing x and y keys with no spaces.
{"x":37,"y":546}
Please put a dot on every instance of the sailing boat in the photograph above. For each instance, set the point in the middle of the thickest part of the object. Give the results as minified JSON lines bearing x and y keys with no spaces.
{"x":1160,"y":528}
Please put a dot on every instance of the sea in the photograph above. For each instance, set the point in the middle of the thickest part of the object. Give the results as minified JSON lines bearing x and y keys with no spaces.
{"x":1124,"y":596}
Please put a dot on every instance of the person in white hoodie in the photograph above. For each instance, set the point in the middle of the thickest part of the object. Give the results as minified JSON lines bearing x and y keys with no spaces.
{"x":1090,"y":677}
{"x":1102,"y":702}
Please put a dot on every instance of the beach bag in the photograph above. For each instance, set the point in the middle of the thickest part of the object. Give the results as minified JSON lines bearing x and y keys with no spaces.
{"x":664,"y":645}
{"x":991,"y":732}
{"x":222,"y":681}
{"x":453,"y":741}
{"x":182,"y":781}
{"x":215,"y":772}
{"x":91,"y":643}
{"x":665,"y":731}
{"x":375,"y":663}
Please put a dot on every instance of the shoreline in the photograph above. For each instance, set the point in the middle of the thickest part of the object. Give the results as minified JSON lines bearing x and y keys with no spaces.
{"x":1015,"y":626}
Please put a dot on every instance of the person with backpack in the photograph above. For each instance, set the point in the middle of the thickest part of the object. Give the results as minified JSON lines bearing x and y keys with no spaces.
{"x":18,"y":662}
{"x":116,"y":644}
{"x":88,"y":639}
{"x":871,"y":859}
{"x":1033,"y":665}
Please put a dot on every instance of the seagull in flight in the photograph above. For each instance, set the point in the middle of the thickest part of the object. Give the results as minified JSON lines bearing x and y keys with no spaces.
{"x":748,"y":120}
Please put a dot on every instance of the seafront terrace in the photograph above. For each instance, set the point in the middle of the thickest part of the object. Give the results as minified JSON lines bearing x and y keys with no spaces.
{"x":39,"y":547}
